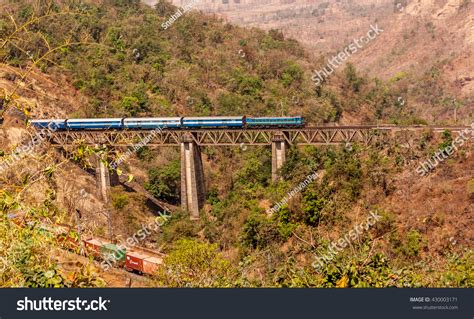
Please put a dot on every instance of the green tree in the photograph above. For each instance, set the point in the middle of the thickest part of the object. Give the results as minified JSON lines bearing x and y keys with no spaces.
{"x":259,"y":232}
{"x":354,"y":82}
{"x":164,"y":182}
{"x":165,"y":8}
{"x":195,"y":264}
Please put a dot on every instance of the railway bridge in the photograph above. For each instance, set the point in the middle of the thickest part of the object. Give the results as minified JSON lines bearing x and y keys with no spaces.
{"x":191,"y":141}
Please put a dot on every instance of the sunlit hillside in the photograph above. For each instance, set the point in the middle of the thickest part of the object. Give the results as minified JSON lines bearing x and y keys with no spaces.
{"x":115,"y":58}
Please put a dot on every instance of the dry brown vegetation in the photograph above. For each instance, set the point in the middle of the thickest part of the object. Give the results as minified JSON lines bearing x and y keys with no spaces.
{"x":425,"y":238}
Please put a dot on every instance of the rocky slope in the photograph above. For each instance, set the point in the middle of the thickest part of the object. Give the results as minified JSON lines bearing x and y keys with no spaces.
{"x":420,"y":38}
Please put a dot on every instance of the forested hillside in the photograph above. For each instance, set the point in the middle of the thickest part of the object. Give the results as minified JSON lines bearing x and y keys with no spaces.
{"x":425,"y":50}
{"x":114,"y":59}
{"x":120,"y":57}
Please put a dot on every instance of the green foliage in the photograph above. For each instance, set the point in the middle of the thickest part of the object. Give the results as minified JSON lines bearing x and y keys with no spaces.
{"x":8,"y":202}
{"x":179,"y":226}
{"x":385,"y":225}
{"x":144,"y":153}
{"x":255,"y":171}
{"x":119,"y":201}
{"x":246,"y":84}
{"x":164,"y":182}
{"x":196,"y":68}
{"x":137,"y":102}
{"x":292,"y":74}
{"x":460,"y":271}
{"x":352,"y":79}
{"x":312,"y":207}
{"x":39,"y":278}
{"x":295,"y":165}
{"x":345,"y":169}
{"x":231,"y":103}
{"x":213,"y":196}
{"x":373,"y":272}
{"x":165,"y":8}
{"x":28,"y":259}
{"x":195,"y":264}
{"x":447,"y":140}
{"x":284,"y":223}
{"x":125,"y":3}
{"x":258,"y":232}
{"x":412,"y":245}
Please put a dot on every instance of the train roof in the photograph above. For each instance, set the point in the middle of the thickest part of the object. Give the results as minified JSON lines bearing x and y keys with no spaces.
{"x":97,"y":241}
{"x":276,"y":117}
{"x":152,"y":119}
{"x":139,"y":252}
{"x":47,"y":120}
{"x":95,"y":120}
{"x":214,"y":118}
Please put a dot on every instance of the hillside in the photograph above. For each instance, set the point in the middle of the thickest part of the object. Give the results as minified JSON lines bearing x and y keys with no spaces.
{"x":115,"y":59}
{"x":427,"y":46}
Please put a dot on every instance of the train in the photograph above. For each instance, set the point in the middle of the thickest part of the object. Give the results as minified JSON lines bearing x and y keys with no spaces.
{"x":139,"y":260}
{"x":152,"y":123}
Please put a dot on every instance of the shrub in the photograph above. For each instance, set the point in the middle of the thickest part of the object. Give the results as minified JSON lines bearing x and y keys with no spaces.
{"x":344,"y":167}
{"x":385,"y":225}
{"x":119,"y":201}
{"x":165,"y":8}
{"x":412,"y":245}
{"x":144,"y":153}
{"x":137,"y":102}
{"x":27,"y":258}
{"x":164,"y":182}
{"x":213,"y":196}
{"x":259,"y":232}
{"x":447,"y":140}
{"x":364,"y":272}
{"x":195,"y":264}
{"x":285,"y":226}
{"x":354,"y":82}
{"x":232,"y":103}
{"x":312,"y":207}
{"x":460,"y":271}
{"x":247,"y":84}
{"x":293,"y":73}
{"x":256,"y":170}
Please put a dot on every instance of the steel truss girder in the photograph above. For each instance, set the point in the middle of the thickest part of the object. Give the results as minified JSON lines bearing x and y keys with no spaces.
{"x":221,"y":137}
{"x":304,"y":136}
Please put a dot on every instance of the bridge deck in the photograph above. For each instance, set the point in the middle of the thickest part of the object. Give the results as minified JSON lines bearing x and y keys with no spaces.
{"x":318,"y":135}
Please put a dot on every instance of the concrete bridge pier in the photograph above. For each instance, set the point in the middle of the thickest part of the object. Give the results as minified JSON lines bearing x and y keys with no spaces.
{"x":193,"y":192}
{"x":103,"y":180}
{"x":279,"y":147}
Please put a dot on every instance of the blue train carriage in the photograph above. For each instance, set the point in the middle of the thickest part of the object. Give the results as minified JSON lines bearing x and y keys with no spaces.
{"x":213,"y":122}
{"x":152,"y":123}
{"x":94,"y":124}
{"x":51,"y":124}
{"x":254,"y":122}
